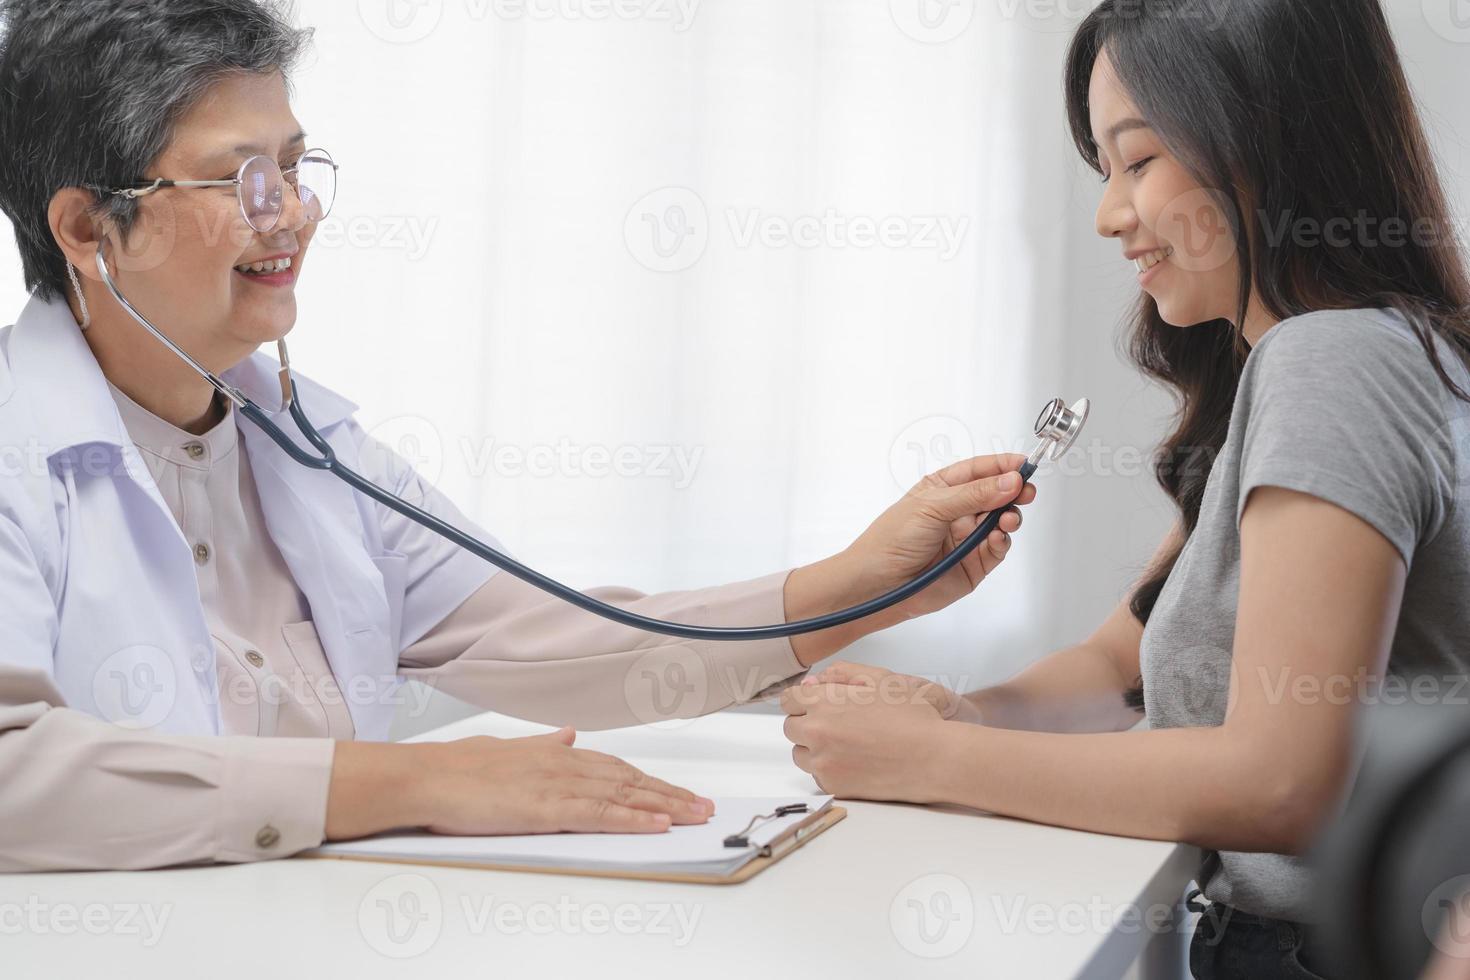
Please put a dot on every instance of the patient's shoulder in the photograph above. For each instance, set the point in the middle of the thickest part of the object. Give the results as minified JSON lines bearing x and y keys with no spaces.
{"x":1360,"y":353}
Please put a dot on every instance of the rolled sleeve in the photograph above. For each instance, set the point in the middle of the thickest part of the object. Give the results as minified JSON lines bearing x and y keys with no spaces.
{"x":1346,"y":407}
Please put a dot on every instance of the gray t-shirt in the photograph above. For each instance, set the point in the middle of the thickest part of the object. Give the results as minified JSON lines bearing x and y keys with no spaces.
{"x":1345,"y":406}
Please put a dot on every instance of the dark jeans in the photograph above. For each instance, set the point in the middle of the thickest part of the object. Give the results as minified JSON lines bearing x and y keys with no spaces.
{"x":1229,"y":944}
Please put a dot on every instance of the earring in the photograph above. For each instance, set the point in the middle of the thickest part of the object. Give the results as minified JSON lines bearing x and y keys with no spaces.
{"x":71,"y":271}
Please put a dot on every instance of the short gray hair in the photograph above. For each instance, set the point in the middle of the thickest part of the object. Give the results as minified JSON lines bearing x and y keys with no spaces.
{"x":91,"y":90}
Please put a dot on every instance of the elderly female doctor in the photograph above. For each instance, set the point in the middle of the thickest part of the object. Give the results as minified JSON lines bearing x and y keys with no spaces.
{"x":172,"y":587}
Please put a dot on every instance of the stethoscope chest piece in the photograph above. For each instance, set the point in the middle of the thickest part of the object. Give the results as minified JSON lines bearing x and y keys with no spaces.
{"x":1060,"y":424}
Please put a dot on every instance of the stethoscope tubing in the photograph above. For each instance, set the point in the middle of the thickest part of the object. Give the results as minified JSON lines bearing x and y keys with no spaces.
{"x":329,"y":462}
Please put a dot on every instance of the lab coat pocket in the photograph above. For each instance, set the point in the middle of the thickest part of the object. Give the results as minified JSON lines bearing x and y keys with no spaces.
{"x":393,"y":567}
{"x":317,"y":683}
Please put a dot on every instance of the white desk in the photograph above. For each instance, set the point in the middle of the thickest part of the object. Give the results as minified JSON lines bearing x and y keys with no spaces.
{"x":1000,"y":898}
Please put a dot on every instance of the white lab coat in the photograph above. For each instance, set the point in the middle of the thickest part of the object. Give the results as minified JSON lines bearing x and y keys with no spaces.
{"x":97,"y":583}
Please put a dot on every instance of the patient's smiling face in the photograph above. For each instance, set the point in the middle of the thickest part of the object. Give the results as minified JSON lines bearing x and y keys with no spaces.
{"x":1171,"y":228}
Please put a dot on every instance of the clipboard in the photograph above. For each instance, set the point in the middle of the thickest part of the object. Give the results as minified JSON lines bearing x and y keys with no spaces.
{"x":791,"y":839}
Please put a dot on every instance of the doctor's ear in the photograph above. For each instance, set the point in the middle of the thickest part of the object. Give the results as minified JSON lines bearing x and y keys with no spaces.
{"x":76,"y":228}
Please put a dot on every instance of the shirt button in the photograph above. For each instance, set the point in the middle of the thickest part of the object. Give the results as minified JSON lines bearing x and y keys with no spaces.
{"x":201,"y":553}
{"x":267,"y":837}
{"x":195,"y":450}
{"x":256,"y":660}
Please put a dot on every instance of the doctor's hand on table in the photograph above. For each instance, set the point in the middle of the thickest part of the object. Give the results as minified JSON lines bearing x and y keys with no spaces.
{"x":485,"y":786}
{"x":543,"y":784}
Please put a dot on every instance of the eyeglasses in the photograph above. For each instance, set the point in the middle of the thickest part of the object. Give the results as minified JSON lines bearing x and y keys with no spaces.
{"x":260,"y":187}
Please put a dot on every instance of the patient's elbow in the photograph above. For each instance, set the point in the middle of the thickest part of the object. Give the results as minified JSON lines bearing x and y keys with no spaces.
{"x":1298,"y":809}
{"x":1279,"y":807}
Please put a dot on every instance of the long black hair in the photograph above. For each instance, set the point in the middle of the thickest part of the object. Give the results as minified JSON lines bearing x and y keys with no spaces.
{"x":1299,"y":114}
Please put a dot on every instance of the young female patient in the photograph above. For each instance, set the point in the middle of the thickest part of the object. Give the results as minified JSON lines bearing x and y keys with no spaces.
{"x":1304,"y":297}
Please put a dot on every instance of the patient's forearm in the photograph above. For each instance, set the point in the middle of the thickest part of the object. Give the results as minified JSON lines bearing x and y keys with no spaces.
{"x":1077,"y":689}
{"x":1251,"y":796}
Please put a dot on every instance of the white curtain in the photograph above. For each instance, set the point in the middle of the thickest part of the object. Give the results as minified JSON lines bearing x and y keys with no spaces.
{"x":668,"y":293}
{"x":779,"y":258}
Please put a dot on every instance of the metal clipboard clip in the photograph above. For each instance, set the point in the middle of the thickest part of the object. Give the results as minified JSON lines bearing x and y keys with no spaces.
{"x":742,"y":840}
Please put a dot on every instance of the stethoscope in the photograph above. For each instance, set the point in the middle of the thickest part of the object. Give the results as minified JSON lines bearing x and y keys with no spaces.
{"x":1057,"y":426}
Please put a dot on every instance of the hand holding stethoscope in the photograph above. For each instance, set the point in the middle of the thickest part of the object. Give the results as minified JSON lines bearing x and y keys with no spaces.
{"x":930,"y":522}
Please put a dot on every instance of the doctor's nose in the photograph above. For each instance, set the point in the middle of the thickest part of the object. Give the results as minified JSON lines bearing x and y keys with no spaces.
{"x":293,"y":212}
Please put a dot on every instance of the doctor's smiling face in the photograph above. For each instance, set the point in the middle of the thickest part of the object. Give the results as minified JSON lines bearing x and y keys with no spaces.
{"x":1173,"y":231}
{"x":192,"y":262}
